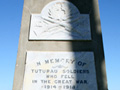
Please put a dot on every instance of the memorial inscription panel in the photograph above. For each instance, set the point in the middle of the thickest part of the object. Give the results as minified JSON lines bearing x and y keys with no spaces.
{"x":60,"y":71}
{"x":60,"y":20}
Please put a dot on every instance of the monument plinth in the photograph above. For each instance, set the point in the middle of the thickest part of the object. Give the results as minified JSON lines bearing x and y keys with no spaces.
{"x":60,"y":46}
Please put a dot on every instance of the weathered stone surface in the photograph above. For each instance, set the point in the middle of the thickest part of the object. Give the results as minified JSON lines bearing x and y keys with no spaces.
{"x":60,"y":70}
{"x":60,"y":20}
{"x":95,"y":45}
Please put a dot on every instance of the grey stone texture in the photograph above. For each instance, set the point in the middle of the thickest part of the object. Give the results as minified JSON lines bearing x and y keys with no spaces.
{"x":61,"y":65}
{"x":86,"y":7}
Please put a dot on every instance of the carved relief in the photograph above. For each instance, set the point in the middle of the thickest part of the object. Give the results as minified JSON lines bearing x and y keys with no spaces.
{"x":60,"y":20}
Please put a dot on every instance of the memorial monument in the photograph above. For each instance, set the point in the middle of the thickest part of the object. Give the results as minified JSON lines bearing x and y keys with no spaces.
{"x":60,"y":46}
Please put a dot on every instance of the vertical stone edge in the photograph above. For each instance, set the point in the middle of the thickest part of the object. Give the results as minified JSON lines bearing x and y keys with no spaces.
{"x":98,"y":46}
{"x":28,"y":8}
{"x":21,"y":55}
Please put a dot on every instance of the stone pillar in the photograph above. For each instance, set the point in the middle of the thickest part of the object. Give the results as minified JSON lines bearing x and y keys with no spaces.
{"x":60,"y":46}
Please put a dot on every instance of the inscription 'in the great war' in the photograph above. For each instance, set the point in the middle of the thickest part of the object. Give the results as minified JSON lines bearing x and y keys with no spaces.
{"x":55,"y":70}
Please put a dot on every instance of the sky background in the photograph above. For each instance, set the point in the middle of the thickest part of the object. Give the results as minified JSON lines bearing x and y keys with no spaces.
{"x":10,"y":22}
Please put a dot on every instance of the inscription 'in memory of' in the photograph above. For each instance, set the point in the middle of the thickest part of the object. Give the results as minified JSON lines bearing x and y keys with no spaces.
{"x":60,"y":70}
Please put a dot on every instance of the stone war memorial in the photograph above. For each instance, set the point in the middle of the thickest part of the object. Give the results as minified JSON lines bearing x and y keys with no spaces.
{"x":60,"y":46}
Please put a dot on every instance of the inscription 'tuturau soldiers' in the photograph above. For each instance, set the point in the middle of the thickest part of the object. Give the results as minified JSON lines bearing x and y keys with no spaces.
{"x":60,"y":71}
{"x":60,"y":20}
